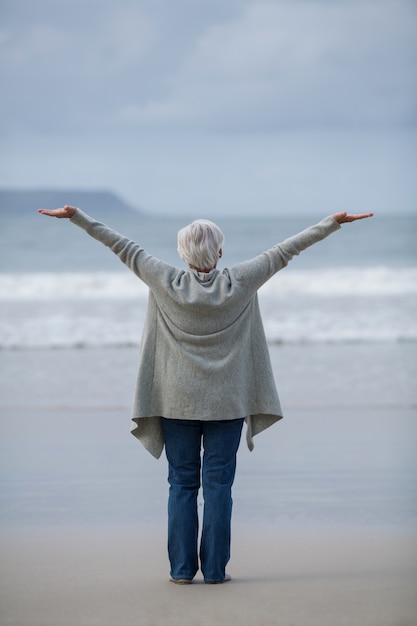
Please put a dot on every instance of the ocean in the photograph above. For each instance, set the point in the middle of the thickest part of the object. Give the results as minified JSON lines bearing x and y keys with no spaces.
{"x":58,"y":289}
{"x":341,"y":323}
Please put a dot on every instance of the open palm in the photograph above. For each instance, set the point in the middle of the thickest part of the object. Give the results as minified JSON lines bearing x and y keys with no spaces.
{"x":66,"y":211}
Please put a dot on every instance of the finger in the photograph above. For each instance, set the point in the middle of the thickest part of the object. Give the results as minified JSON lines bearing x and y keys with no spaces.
{"x":45,"y":211}
{"x":359,"y":216}
{"x":53,"y":212}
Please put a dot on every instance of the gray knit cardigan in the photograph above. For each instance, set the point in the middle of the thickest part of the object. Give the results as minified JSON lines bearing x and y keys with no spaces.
{"x":203,"y":353}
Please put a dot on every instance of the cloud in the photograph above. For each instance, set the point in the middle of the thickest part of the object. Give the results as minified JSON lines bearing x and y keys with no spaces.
{"x":64,"y":70}
{"x":231,"y":105}
{"x":295,"y":64}
{"x":72,"y":65}
{"x":257,"y":66}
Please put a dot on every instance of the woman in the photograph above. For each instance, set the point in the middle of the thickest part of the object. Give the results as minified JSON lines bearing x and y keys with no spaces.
{"x":204,"y":369}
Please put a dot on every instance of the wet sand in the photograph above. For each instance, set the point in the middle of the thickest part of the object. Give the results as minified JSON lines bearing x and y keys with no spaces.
{"x":119,"y":577}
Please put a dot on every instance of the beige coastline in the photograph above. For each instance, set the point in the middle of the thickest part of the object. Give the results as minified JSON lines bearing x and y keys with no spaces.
{"x":320,"y":577}
{"x":83,"y":538}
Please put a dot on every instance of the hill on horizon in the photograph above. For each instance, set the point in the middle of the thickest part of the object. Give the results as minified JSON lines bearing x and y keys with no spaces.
{"x":18,"y":200}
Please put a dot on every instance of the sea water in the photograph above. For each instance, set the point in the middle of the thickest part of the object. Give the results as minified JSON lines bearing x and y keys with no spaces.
{"x":60,"y":289}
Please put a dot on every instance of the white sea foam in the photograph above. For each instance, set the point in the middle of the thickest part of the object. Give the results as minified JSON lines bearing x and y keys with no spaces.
{"x":341,"y":281}
{"x":73,"y":310}
{"x":79,"y":286}
{"x":345,"y":281}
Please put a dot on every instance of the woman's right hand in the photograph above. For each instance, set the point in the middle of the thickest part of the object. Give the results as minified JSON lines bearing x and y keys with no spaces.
{"x":343,"y":217}
{"x":66,"y":211}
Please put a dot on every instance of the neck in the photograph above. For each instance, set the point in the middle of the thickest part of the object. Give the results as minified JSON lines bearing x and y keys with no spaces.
{"x":197,"y":269}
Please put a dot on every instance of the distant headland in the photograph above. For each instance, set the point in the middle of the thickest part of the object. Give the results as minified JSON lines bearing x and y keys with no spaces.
{"x":14,"y":201}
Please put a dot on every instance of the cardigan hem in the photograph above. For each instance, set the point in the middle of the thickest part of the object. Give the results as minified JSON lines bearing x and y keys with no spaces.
{"x":148,"y":430}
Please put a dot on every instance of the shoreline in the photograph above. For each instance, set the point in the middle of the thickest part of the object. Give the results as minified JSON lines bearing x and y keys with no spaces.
{"x":344,"y":452}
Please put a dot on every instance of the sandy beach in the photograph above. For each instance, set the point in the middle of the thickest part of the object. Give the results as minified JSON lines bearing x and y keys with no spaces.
{"x":109,"y":578}
{"x":324,"y":528}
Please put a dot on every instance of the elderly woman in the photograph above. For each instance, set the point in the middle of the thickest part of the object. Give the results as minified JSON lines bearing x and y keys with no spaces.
{"x":204,"y":369}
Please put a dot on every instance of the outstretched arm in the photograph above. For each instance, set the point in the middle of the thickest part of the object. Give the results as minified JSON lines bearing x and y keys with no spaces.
{"x":129,"y":252}
{"x":145,"y":266}
{"x":344,"y":217}
{"x":265,"y":265}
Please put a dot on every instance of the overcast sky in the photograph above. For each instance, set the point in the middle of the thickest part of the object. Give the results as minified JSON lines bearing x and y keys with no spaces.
{"x":213,"y":107}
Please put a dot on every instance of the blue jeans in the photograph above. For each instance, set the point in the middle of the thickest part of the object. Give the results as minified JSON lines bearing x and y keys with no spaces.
{"x":183,"y":441}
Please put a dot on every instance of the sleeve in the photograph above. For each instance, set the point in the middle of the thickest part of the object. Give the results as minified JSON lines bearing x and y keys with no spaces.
{"x":142,"y":264}
{"x":268,"y":263}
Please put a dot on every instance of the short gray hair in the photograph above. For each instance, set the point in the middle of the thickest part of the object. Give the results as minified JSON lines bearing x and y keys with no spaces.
{"x":199,"y":244}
